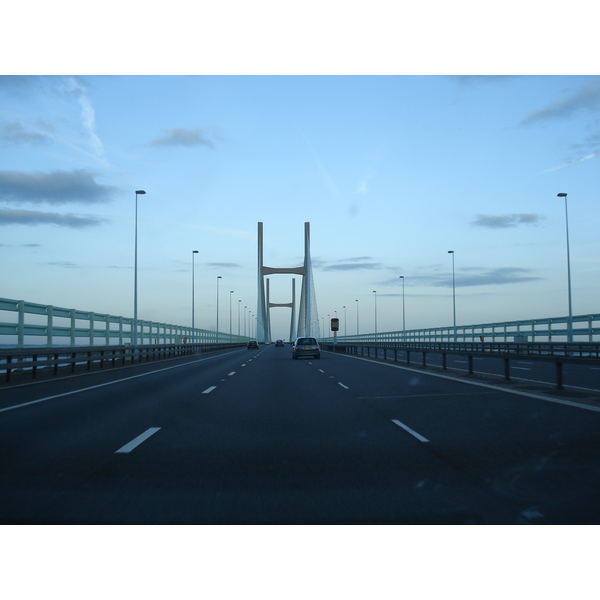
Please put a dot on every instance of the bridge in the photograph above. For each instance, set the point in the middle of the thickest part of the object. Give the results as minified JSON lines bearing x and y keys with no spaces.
{"x":191,"y":427}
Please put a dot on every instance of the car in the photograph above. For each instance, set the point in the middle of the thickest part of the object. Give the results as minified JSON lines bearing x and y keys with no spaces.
{"x":306,"y":346}
{"x":252,"y":344}
{"x":279,"y":343}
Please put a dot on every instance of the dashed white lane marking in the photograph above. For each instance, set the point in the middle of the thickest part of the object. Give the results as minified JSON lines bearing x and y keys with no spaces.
{"x":411,"y":431}
{"x":137,"y":441}
{"x":210,"y":389}
{"x":344,"y":386}
{"x":230,"y":374}
{"x":244,"y":365}
{"x":94,"y":387}
{"x":321,"y":370}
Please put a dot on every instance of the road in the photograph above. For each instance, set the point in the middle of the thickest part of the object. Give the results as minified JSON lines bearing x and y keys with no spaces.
{"x":254,"y":437}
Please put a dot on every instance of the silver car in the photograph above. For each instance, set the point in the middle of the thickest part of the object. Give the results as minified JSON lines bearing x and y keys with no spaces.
{"x":306,"y":346}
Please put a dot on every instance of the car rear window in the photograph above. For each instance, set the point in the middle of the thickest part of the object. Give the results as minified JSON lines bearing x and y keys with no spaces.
{"x":306,"y":342}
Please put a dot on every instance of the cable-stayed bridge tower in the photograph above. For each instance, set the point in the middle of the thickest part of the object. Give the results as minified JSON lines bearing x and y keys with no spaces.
{"x":308,"y":318}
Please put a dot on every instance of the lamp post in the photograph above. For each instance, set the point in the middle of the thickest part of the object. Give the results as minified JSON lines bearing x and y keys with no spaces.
{"x":345,"y":323}
{"x":239,"y":306}
{"x":135,"y":324}
{"x":453,"y":294}
{"x":375,"y":303}
{"x":245,"y":309}
{"x":230,"y":296}
{"x":357,"y":317}
{"x":193,"y":303}
{"x":570,"y":320}
{"x":403,"y":319}
{"x":218,"y":277}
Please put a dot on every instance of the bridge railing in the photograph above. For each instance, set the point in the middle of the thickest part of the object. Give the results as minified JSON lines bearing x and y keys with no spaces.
{"x":29,"y":324}
{"x":558,"y":353}
{"x":33,"y":363}
{"x":586,"y":328}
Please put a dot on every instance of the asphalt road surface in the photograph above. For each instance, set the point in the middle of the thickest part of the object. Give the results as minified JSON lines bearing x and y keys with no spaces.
{"x":254,"y":437}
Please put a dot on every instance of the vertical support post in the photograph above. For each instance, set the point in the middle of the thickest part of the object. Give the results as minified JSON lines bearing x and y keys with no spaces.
{"x":559,"y":375}
{"x":470,"y":360}
{"x":72,"y":328}
{"x":21,"y":323}
{"x":507,"y":368}
{"x":49,"y":332}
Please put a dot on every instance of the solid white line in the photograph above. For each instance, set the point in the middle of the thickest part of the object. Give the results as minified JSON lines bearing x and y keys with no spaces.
{"x":344,"y":386}
{"x":137,"y":441}
{"x":95,"y":387}
{"x":406,"y":428}
{"x":210,"y":389}
{"x":521,"y":368}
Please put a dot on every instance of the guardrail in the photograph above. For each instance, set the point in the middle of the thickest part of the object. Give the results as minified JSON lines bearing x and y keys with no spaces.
{"x":559,"y":353}
{"x":586,"y":328}
{"x":69,"y":360}
{"x":30,"y":324}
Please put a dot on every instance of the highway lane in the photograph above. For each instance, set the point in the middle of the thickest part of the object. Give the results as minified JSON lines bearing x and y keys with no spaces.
{"x":255,"y":437}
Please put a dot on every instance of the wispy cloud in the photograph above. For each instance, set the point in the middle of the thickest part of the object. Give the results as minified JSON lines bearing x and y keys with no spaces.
{"x":224,"y":265}
{"x":586,"y":98}
{"x":14,"y":133}
{"x":63,"y":264}
{"x":506,"y":221}
{"x":568,"y":164}
{"x":88,"y":114}
{"x":31,"y":217}
{"x":353,"y":264}
{"x":184,"y":137}
{"x":58,"y":187}
{"x":476,"y":276}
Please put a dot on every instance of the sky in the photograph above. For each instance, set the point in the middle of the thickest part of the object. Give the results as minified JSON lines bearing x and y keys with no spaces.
{"x":392,"y":168}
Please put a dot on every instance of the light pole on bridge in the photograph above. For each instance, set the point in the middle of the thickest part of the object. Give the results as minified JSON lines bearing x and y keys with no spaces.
{"x":135,"y":294}
{"x":453,"y":293}
{"x":570,"y":319}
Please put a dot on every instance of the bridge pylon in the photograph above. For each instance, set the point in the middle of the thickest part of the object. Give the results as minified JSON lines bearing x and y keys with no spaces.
{"x":308,"y":319}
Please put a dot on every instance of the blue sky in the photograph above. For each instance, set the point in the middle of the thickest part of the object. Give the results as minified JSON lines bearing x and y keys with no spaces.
{"x":393,"y":162}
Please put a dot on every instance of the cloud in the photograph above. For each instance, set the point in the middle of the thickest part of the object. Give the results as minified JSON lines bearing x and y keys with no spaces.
{"x":31,"y":217}
{"x":587,"y":97}
{"x":58,"y":187}
{"x":224,"y":265}
{"x":506,"y":221}
{"x":568,"y":164}
{"x":64,"y":264}
{"x":183,"y":137}
{"x":88,"y":114}
{"x":477,"y":276}
{"x":353,"y":264}
{"x":15,"y":133}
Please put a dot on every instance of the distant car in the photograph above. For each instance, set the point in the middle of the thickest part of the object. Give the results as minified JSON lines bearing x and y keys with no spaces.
{"x":279,"y":343}
{"x":252,"y":344}
{"x":306,"y":346}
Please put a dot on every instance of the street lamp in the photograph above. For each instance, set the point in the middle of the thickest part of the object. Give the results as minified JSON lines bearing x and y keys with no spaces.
{"x":141,"y":192}
{"x":230,"y":296}
{"x":193,"y":303}
{"x":245,"y":309}
{"x":357,"y":317}
{"x":570,"y":321}
{"x":345,"y":323}
{"x":453,"y":293}
{"x":375,"y":302}
{"x":239,"y":306}
{"x":403,"y":319}
{"x":218,"y":277}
